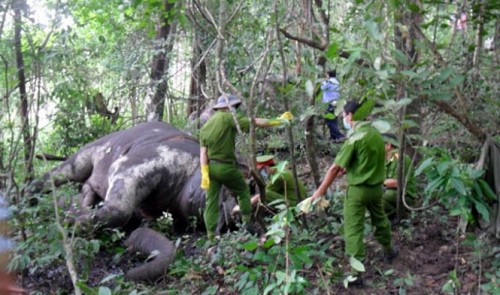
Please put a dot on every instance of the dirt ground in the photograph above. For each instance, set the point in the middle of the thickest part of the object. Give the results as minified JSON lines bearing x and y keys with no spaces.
{"x":424,"y":264}
{"x":431,"y":252}
{"x":428,"y":255}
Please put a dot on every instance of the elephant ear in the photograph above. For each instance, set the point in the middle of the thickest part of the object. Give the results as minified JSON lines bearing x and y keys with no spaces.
{"x":364,"y":110}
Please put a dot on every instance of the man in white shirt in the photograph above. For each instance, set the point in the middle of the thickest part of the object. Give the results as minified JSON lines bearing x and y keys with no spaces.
{"x":331,"y":94}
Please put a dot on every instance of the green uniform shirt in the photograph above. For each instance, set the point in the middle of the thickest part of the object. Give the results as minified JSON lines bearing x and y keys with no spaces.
{"x":284,"y":185}
{"x":391,"y":171}
{"x":219,"y":135}
{"x":363,"y":156}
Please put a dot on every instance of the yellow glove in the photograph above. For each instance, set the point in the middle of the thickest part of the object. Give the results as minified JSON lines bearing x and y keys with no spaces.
{"x":287,"y":116}
{"x":205,"y":179}
{"x":284,"y":119}
{"x":275,"y":122}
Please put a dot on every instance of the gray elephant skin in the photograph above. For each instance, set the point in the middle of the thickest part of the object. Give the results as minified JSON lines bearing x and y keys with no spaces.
{"x":144,"y":171}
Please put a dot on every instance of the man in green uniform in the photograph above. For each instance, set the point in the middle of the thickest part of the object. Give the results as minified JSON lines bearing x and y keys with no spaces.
{"x":391,"y":178}
{"x":362,"y":157}
{"x":218,"y":160}
{"x":283,"y":187}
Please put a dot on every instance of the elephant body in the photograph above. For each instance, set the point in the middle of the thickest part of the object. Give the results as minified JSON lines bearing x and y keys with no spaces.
{"x":145,"y":170}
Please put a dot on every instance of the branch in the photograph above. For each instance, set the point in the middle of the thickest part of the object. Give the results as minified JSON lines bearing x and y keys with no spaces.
{"x":50,"y":157}
{"x":312,"y":43}
{"x":461,"y":116}
{"x":321,"y":46}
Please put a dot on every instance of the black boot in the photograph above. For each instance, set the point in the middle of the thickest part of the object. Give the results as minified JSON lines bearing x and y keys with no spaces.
{"x":390,"y":254}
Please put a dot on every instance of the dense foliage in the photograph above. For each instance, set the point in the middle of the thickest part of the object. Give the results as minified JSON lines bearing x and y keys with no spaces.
{"x":72,"y":71}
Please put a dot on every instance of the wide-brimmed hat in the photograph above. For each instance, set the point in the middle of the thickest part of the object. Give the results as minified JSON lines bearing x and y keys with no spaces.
{"x":225,"y":101}
{"x":266,"y":160}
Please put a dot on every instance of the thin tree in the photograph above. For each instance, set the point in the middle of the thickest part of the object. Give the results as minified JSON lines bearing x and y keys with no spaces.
{"x":19,"y":6}
{"x":160,"y":65}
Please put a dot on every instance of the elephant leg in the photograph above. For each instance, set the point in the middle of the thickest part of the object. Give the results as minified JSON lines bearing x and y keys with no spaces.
{"x":89,"y":197}
{"x":77,"y":168}
{"x":123,"y":197}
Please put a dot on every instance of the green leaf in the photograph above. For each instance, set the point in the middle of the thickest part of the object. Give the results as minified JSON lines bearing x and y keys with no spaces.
{"x":475,"y":173}
{"x":372,"y":29}
{"x":459,"y":186}
{"x":269,"y":288}
{"x":104,"y":291}
{"x":382,"y":75}
{"x":210,"y":290}
{"x":424,"y":165}
{"x":456,"y":80}
{"x":331,"y":51}
{"x":310,"y":111}
{"x":408,"y":282}
{"x":364,"y":110}
{"x":406,"y":124}
{"x":280,"y":277}
{"x":412,"y":6}
{"x":348,"y":279}
{"x":250,"y":246}
{"x":442,"y":167}
{"x":436,"y":183}
{"x":401,"y":57}
{"x":269,"y":243}
{"x":304,"y":257}
{"x":485,"y":187}
{"x":455,"y":212}
{"x":382,"y":126}
{"x":477,"y":190}
{"x":395,"y":3}
{"x":444,"y":74}
{"x":356,"y":264}
{"x":356,"y":52}
{"x":409,"y":74}
{"x":483,"y":210}
{"x":441,"y":96}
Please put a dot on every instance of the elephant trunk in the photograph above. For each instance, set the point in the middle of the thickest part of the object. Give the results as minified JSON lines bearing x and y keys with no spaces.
{"x":147,"y":241}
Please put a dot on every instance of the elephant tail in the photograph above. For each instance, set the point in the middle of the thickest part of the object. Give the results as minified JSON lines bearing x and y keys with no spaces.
{"x":150,"y":242}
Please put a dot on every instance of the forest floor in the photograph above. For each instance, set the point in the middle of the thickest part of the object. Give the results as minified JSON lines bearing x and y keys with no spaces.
{"x":434,"y":258}
{"x":431,"y":255}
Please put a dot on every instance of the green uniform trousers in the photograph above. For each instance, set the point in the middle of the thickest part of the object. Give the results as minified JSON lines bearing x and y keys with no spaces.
{"x":358,"y":199}
{"x":230,"y":176}
{"x":390,"y":200}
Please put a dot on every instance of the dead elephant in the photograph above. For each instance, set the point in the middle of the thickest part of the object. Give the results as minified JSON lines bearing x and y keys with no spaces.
{"x":141,"y":171}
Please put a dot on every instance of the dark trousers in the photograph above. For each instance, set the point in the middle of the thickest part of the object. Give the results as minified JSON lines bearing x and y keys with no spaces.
{"x":332,"y":124}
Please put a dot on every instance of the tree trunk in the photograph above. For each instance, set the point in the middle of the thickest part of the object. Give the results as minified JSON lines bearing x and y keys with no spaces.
{"x":311,"y":150}
{"x":23,"y":96}
{"x":159,"y":69}
{"x":405,"y":42}
{"x":196,"y":102}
